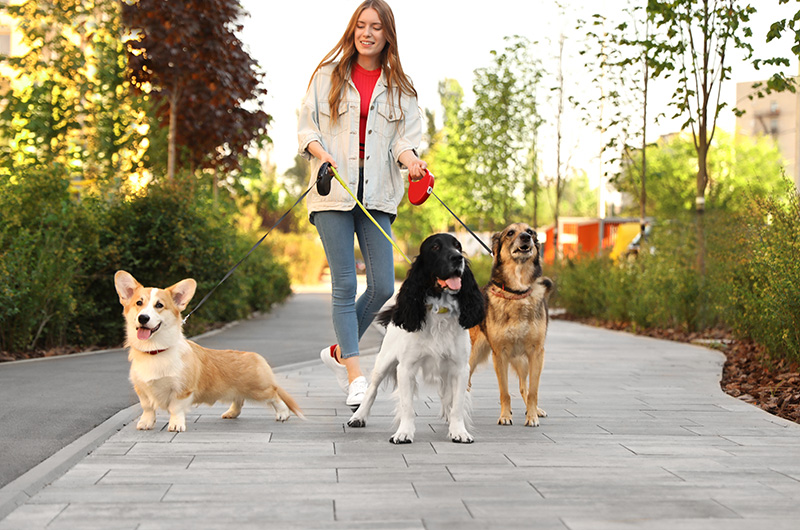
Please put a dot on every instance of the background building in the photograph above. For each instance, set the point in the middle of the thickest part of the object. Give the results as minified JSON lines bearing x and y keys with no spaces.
{"x":776,"y":115}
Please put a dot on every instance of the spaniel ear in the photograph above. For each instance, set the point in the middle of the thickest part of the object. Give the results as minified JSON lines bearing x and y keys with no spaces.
{"x":471,"y":302}
{"x":409,"y":310}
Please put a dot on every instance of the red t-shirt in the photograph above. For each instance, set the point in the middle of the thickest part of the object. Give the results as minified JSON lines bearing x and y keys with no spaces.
{"x":365,"y":81}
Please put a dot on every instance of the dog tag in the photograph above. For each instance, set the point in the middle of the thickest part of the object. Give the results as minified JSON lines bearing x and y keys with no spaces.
{"x":419,"y":190}
{"x":324,"y":177}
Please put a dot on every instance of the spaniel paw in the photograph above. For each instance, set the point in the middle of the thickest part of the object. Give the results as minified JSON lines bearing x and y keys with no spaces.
{"x":401,"y":438}
{"x":356,"y":422}
{"x":462,"y":438}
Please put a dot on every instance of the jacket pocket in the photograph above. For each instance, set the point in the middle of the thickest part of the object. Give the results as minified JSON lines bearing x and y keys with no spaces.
{"x":388,"y":119}
{"x":327,"y":124}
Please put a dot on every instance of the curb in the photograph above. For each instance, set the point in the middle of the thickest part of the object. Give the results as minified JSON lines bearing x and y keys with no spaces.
{"x":17,"y":492}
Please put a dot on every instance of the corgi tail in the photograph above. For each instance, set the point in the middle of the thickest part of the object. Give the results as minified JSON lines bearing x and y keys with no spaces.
{"x":290,"y":402}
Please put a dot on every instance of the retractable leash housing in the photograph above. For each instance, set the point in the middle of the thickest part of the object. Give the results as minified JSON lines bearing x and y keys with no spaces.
{"x":419,"y":190}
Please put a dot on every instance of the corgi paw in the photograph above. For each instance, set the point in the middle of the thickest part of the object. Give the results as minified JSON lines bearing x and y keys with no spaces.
{"x":541,"y":413}
{"x":146,"y":422}
{"x":177,"y":426}
{"x":282,"y":416}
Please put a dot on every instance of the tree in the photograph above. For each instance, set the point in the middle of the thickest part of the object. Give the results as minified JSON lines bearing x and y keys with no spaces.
{"x":621,"y":67}
{"x":68,"y":105}
{"x":699,"y":34}
{"x":187,"y":56}
{"x":741,"y":169}
{"x":503,"y":125}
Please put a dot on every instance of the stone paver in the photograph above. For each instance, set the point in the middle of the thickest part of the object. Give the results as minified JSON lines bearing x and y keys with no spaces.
{"x":639,"y":435}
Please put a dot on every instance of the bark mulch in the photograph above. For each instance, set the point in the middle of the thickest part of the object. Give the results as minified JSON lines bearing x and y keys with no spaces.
{"x":748,"y":374}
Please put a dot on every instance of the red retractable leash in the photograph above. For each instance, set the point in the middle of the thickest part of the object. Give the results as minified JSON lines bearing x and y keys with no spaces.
{"x":418,"y":192}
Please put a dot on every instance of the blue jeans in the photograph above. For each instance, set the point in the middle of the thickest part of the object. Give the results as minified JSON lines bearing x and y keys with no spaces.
{"x":352,"y":317}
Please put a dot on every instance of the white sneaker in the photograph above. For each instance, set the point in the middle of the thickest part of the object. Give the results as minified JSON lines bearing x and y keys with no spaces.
{"x":357,"y":390}
{"x":338,"y":369}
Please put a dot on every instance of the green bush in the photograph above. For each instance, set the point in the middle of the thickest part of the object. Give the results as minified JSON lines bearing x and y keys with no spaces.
{"x":302,"y":254}
{"x":763,"y":288}
{"x":42,"y":239}
{"x":58,"y":257}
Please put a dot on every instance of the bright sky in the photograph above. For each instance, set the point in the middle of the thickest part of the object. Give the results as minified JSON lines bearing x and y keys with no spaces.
{"x":438,"y":39}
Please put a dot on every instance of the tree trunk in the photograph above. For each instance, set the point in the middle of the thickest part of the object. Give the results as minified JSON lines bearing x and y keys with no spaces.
{"x":700,"y":200}
{"x":173,"y":132}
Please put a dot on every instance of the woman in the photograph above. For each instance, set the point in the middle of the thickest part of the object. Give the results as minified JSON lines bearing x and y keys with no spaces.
{"x":360,"y":114}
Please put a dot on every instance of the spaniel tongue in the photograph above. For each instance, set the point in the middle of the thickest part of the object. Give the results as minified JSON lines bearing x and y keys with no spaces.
{"x":454,"y":283}
{"x":143,"y":333}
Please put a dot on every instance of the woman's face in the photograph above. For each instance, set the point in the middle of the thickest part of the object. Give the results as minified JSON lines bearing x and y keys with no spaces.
{"x":369,"y":36}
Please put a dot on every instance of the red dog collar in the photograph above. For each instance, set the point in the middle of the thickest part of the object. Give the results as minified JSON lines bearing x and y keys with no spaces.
{"x":154,"y":352}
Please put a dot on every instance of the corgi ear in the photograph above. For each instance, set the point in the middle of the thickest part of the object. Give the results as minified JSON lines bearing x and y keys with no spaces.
{"x":182,"y":292}
{"x":126,"y":285}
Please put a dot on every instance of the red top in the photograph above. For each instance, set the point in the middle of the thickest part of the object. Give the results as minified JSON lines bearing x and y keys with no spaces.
{"x":365,"y":81}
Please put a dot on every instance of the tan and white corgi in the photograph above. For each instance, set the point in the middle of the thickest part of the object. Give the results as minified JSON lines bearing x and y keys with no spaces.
{"x":172,"y":373}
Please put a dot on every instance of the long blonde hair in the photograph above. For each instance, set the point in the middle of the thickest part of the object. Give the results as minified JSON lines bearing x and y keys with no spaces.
{"x":389,"y":59}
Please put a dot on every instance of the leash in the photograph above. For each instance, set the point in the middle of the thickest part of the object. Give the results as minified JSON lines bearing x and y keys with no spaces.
{"x":479,"y":240}
{"x":303,"y":196}
{"x":419,"y":190}
{"x":323,"y":170}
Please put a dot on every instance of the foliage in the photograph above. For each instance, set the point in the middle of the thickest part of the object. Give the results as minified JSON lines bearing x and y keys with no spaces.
{"x":764,"y":276}
{"x":780,"y":81}
{"x":187,"y":55}
{"x":301,"y":254}
{"x":503,"y":123}
{"x":59,"y":256}
{"x":740,"y":168}
{"x":68,"y":104}
{"x":750,"y":286}
{"x":696,"y":48}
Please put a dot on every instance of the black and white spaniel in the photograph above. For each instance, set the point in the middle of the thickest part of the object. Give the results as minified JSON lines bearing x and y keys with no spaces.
{"x":427,"y":330}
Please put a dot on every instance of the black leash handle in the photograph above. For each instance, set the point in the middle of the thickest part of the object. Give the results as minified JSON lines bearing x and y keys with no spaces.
{"x":303,"y":196}
{"x":479,"y":240}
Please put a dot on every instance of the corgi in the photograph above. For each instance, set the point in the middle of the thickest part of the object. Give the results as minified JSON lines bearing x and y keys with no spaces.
{"x":172,"y":373}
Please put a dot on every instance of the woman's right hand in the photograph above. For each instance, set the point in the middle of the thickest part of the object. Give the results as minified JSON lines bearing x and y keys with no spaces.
{"x":316,"y":150}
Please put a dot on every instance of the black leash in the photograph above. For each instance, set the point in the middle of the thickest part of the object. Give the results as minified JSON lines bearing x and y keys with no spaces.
{"x":462,"y":223}
{"x":303,"y":196}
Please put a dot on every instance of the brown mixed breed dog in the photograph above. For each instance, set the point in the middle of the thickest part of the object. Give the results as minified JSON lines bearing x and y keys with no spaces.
{"x":171,"y":373}
{"x":516,"y":319}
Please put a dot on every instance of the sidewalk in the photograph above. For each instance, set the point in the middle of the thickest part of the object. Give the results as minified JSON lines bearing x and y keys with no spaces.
{"x":639,"y":435}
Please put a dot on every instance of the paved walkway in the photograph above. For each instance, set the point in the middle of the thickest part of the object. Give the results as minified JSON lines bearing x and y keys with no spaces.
{"x":639,"y":435}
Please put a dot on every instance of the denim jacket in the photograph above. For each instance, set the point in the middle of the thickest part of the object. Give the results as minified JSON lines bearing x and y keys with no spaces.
{"x":389,"y":134}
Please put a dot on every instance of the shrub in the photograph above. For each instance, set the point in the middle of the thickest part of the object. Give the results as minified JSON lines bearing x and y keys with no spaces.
{"x":763,"y":292}
{"x":58,"y":257}
{"x":301,"y":254}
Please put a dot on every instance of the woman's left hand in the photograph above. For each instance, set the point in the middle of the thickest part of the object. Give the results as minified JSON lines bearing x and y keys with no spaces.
{"x":416,"y":167}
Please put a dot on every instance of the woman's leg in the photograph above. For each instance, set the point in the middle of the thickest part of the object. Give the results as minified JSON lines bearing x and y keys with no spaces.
{"x":379,"y":261}
{"x":336,"y":230}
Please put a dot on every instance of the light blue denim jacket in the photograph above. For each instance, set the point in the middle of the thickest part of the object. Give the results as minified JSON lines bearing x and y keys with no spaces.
{"x":389,"y":134}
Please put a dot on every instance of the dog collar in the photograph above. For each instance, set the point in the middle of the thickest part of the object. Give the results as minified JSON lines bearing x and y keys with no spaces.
{"x":442,"y":310}
{"x":509,"y":294}
{"x":154,"y":352}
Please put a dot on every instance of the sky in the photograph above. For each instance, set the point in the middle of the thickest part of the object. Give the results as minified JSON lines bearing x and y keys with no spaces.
{"x":440,"y":39}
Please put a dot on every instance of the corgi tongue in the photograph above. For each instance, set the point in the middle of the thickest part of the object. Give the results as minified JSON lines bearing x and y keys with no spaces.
{"x":454,"y":283}
{"x":143,"y":333}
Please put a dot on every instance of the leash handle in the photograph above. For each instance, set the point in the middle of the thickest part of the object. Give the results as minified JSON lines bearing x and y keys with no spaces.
{"x":363,"y":209}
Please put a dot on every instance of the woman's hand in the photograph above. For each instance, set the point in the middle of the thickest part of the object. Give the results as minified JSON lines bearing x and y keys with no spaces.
{"x":416,"y":167}
{"x":316,"y":150}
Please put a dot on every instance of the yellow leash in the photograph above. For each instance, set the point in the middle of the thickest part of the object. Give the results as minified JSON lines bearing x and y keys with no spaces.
{"x":336,"y":174}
